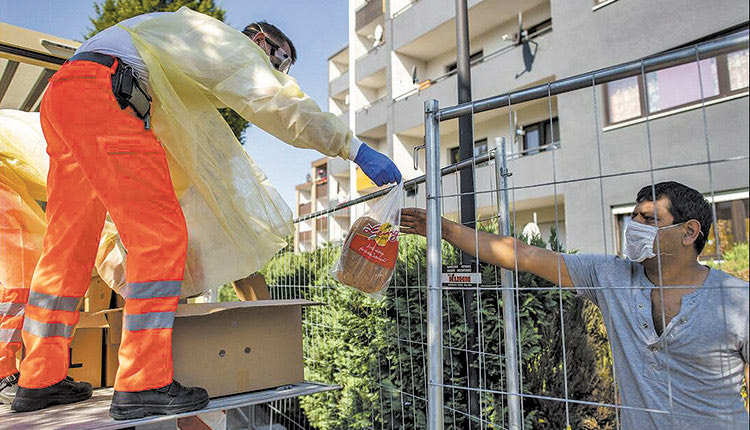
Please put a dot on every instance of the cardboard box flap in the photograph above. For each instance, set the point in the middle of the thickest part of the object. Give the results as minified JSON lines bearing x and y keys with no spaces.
{"x":198,"y":309}
{"x":92,"y":320}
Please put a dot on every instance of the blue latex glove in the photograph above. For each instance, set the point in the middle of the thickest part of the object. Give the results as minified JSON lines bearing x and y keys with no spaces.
{"x":377,"y":166}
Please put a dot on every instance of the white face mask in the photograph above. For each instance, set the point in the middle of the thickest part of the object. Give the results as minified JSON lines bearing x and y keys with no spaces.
{"x":639,"y":240}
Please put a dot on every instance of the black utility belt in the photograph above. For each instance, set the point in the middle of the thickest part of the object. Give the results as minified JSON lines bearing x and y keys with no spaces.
{"x":125,"y":86}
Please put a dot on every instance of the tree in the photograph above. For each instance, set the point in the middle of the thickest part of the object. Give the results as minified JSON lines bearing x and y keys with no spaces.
{"x":110,"y":12}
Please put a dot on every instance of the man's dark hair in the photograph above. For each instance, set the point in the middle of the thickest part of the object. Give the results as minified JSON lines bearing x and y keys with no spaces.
{"x":256,"y":27}
{"x":685,"y":204}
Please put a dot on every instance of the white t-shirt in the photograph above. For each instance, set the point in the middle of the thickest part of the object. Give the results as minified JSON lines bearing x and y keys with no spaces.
{"x":116,"y":41}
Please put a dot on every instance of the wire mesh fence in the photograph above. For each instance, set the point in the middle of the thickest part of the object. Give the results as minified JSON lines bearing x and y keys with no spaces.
{"x":514,"y":350}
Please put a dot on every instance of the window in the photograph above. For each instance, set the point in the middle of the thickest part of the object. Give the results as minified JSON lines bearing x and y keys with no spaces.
{"x":480,"y":148}
{"x":732,"y":219}
{"x":731,"y":215}
{"x":679,"y":85}
{"x":475,"y":56}
{"x":538,"y":136}
{"x":676,"y":87}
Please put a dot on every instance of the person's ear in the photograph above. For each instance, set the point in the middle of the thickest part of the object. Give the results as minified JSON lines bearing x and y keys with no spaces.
{"x":259,"y":37}
{"x":691,"y":232}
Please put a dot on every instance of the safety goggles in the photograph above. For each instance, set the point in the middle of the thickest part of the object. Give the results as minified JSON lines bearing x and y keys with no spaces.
{"x":280,"y":60}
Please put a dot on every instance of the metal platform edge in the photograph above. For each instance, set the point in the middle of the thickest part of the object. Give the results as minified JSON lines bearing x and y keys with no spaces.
{"x":94,"y":413}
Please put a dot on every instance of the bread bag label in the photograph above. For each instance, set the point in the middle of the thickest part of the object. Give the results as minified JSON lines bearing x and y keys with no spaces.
{"x":377,"y":243}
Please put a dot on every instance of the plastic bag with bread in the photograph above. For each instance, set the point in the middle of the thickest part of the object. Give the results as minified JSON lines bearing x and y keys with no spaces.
{"x":370,"y":250}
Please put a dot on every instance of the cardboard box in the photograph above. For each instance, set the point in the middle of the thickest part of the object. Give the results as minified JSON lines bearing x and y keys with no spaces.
{"x":98,"y":296}
{"x":235,"y":347}
{"x":85,"y":352}
{"x":85,"y":359}
{"x":112,"y":338}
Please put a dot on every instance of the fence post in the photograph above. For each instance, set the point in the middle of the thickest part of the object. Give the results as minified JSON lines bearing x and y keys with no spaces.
{"x":509,"y":303}
{"x":434,"y":269}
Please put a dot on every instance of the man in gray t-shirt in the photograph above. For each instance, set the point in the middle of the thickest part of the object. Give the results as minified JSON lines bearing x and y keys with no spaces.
{"x":678,"y":329}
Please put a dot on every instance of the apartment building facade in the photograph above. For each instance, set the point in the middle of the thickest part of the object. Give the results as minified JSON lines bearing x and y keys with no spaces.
{"x":403,"y":52}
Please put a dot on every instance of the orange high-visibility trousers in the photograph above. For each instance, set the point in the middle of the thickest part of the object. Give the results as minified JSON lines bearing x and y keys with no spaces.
{"x":19,"y":253}
{"x":103,"y":160}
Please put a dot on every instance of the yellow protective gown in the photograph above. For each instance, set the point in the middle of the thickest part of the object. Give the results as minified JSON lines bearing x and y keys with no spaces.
{"x":23,"y":174}
{"x":236,"y":220}
{"x":24,"y":165}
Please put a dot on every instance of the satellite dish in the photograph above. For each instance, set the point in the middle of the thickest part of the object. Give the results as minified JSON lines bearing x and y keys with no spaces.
{"x":378,"y":36}
{"x":414,"y":78}
{"x":519,"y":37}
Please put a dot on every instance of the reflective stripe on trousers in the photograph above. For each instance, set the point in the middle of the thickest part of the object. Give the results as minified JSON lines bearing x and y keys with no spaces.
{"x":11,"y":309}
{"x":10,"y":335}
{"x":52,"y":302}
{"x":149,"y":321}
{"x":41,"y":329}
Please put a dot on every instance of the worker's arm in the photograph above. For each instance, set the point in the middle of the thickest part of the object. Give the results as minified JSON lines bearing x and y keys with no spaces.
{"x":503,"y":251}
{"x":236,"y":73}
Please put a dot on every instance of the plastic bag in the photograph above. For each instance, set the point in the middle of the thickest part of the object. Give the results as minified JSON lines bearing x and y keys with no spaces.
{"x":370,"y":250}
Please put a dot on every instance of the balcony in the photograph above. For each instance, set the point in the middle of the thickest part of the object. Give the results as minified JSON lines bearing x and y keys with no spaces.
{"x":339,"y":85}
{"x":424,"y":18}
{"x":495,"y":72}
{"x":371,"y":119}
{"x":304,"y":209}
{"x":338,"y":167}
{"x":368,"y":13}
{"x":373,"y":60}
{"x":305,"y":239}
{"x":321,"y":191}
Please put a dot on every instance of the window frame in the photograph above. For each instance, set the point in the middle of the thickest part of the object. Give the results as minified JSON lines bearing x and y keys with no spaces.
{"x":453,"y":152}
{"x":724,"y":84}
{"x":542,"y":125}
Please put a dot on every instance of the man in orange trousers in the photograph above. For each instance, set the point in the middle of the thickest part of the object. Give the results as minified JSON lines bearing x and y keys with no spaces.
{"x":105,"y":158}
{"x":102,"y":159}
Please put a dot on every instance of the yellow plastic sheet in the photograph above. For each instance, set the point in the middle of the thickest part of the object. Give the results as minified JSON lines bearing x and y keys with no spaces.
{"x":24,"y":165}
{"x":24,"y":150}
{"x":236,"y":220}
{"x":23,"y":177}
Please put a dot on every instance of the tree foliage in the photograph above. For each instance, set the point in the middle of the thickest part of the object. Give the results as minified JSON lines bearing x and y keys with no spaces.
{"x":376,"y":350}
{"x":110,"y":12}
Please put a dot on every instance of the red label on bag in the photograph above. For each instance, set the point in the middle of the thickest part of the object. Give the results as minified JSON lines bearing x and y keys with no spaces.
{"x":378,"y":243}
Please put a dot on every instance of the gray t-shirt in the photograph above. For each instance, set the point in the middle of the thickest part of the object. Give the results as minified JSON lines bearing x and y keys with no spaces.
{"x":698,"y":362}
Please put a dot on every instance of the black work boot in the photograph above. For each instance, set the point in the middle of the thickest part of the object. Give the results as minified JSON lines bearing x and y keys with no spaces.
{"x":167,"y":400}
{"x":8,"y":388}
{"x":62,"y":393}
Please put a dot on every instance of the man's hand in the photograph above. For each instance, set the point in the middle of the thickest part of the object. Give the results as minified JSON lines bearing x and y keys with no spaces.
{"x":377,"y":166}
{"x":414,"y":221}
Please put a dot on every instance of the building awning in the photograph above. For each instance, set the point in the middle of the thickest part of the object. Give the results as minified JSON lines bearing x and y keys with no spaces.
{"x":27,"y":60}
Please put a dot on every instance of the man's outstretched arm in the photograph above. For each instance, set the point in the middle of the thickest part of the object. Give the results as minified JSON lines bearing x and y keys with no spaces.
{"x":503,"y":251}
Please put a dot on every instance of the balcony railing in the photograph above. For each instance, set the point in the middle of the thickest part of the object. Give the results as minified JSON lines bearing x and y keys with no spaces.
{"x":370,"y":105}
{"x":544,"y":29}
{"x":305,"y":236}
{"x":404,"y":8}
{"x":305,"y":208}
{"x":321,"y":191}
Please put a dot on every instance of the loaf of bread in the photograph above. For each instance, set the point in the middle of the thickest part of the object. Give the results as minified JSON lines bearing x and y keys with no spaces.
{"x":369,"y":255}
